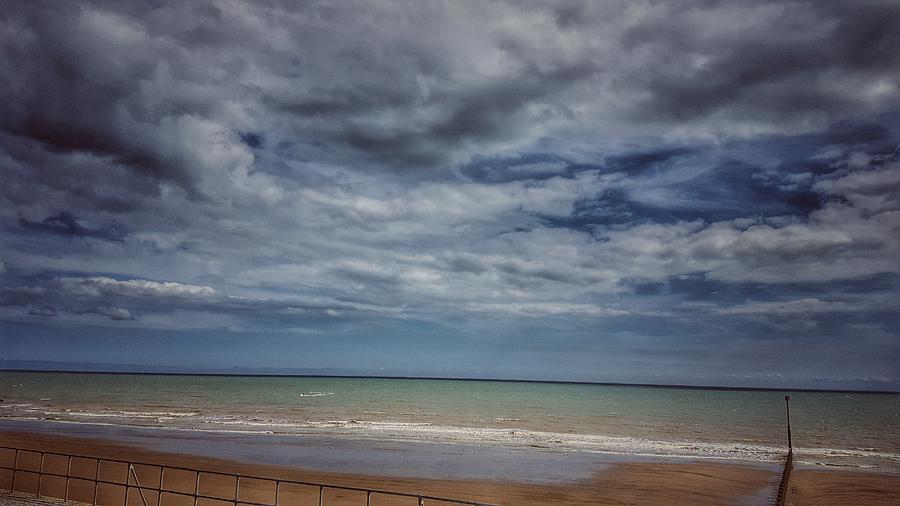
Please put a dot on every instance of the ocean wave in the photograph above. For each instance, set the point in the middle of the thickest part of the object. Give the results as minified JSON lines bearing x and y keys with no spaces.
{"x":314,"y":394}
{"x":835,"y":464}
{"x":172,"y":415}
{"x":863,"y":458}
{"x":845,"y":453}
{"x":150,"y":414}
{"x":425,"y":432}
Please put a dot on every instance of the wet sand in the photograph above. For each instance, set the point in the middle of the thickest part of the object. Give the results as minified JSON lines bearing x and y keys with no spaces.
{"x":827,"y":487}
{"x":677,"y":483}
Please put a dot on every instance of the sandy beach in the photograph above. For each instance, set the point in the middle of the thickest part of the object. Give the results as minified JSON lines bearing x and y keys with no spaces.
{"x":661,"y":482}
{"x":827,"y":488}
{"x":622,"y":483}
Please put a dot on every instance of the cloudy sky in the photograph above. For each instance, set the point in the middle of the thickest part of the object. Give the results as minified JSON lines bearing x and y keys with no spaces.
{"x":695,"y":192}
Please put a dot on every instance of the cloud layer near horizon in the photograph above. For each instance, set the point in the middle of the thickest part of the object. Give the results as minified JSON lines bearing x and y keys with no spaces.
{"x":613,"y":187}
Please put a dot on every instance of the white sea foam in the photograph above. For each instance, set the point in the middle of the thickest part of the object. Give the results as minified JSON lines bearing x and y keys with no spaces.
{"x":314,"y":394}
{"x":425,"y":432}
{"x":151,"y":414}
{"x":126,"y":415}
{"x":447,"y":433}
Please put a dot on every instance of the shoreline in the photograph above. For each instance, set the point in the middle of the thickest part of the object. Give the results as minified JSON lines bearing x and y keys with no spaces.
{"x":403,"y":432}
{"x":618,"y":483}
{"x":612,"y":447}
{"x":633,"y":480}
{"x":410,"y":458}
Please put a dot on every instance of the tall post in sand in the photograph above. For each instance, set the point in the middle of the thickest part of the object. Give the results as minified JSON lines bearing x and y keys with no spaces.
{"x":789,"y":461}
{"x":787,"y":410}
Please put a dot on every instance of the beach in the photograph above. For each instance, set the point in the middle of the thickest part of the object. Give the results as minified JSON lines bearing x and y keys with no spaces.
{"x":656,"y":482}
{"x":833,"y":488}
{"x":622,"y":483}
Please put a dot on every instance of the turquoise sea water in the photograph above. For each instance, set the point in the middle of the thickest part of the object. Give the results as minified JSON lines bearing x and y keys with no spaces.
{"x":829,"y":428}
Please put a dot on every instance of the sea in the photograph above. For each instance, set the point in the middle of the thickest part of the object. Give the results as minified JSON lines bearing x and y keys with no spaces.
{"x":855,"y":430}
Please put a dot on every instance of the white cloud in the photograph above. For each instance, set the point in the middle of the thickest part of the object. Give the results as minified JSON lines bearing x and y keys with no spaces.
{"x":539,"y":309}
{"x":101,"y":285}
{"x":115,"y":313}
{"x":873,"y":190}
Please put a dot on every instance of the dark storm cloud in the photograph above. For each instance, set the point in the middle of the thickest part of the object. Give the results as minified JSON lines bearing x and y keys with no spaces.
{"x":151,"y":87}
{"x":71,"y":92}
{"x":472,"y":116}
{"x":792,"y":66}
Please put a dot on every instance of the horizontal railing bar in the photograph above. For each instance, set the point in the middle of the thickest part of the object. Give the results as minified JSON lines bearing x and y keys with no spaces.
{"x":219,"y":498}
{"x":154,"y":489}
{"x":218,"y":473}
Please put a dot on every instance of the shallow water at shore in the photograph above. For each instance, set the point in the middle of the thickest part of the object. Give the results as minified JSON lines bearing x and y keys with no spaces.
{"x":475,"y":472}
{"x":328,"y":454}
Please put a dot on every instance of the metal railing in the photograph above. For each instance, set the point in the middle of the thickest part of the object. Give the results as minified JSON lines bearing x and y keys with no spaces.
{"x":131,"y":482}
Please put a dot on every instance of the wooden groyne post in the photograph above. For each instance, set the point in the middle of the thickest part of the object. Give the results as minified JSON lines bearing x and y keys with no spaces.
{"x":787,"y":412}
{"x":789,"y":461}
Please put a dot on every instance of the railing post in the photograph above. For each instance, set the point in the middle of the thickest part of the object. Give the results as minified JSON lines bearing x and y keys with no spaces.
{"x":368,"y":498}
{"x":96,"y":482}
{"x":40,"y":476}
{"x":196,"y":488}
{"x":237,"y":488}
{"x":159,"y":489}
{"x":277,"y":490}
{"x":321,"y":494}
{"x":15,"y":469}
{"x":138,"y":483}
{"x":68,"y":474}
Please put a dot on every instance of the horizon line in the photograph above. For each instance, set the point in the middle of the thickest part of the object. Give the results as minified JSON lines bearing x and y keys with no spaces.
{"x":450,"y":378}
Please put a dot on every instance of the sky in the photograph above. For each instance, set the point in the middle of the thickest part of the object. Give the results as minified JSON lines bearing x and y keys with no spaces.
{"x":701,"y":192}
